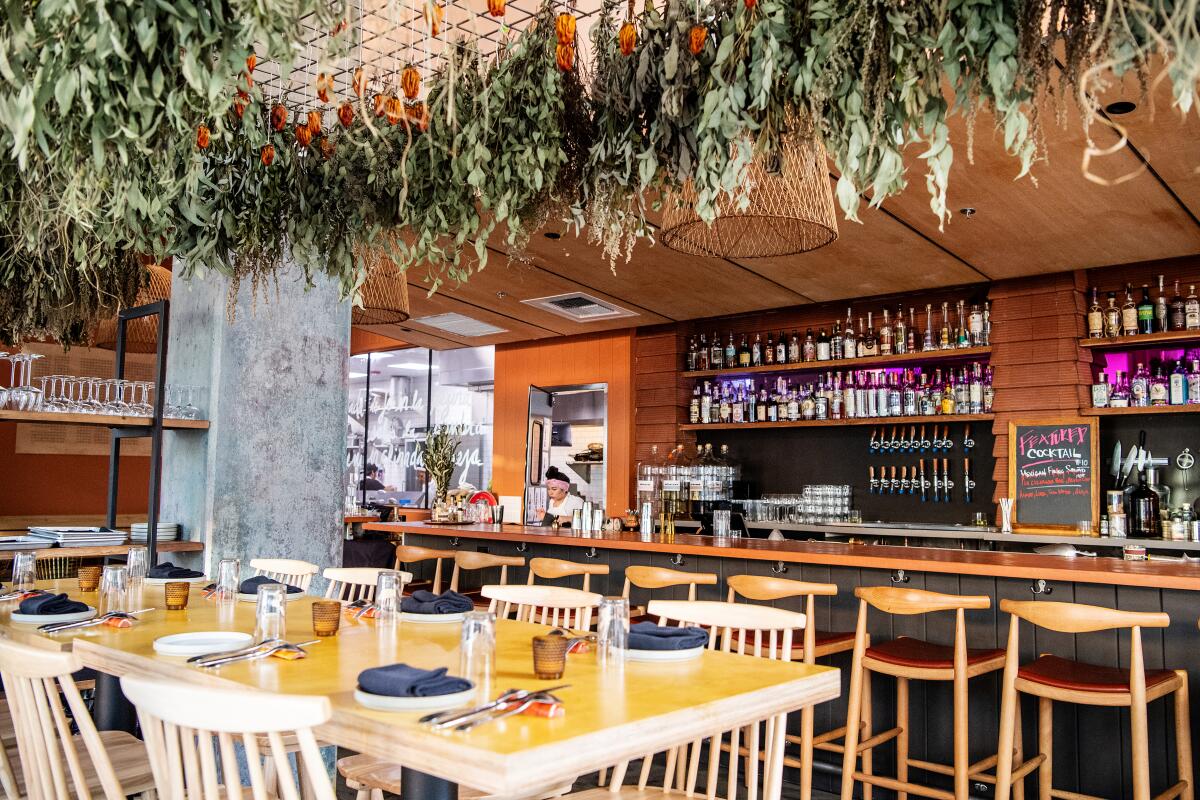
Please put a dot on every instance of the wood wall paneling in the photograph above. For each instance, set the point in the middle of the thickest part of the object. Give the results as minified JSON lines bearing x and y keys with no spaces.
{"x":662,"y":396}
{"x":367,"y":340}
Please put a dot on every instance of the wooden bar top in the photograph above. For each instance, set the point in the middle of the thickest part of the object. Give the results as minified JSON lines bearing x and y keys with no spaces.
{"x":1080,"y":569}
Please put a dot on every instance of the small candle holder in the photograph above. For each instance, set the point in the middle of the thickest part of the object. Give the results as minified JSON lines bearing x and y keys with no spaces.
{"x":549,"y":657}
{"x":326,"y":617}
{"x":89,"y":578}
{"x":175,"y":595}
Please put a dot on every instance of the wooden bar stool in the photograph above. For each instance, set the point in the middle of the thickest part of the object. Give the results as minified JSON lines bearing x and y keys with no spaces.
{"x":811,"y":645}
{"x":1051,"y":678}
{"x":286,"y":570}
{"x":553,"y":568}
{"x":645,"y":577}
{"x":908,"y":659}
{"x":411,"y":554}
{"x":469,"y":560}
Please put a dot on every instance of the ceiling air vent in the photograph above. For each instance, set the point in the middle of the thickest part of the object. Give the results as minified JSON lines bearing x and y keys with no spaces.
{"x":580,"y":307}
{"x":458,"y":325}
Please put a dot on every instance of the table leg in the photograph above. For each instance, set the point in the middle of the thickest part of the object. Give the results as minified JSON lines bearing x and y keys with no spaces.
{"x":111,"y":710}
{"x":421,"y":786}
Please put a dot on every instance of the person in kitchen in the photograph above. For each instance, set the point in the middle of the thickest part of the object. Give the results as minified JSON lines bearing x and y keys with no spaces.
{"x":371,"y":481}
{"x":561,"y":502}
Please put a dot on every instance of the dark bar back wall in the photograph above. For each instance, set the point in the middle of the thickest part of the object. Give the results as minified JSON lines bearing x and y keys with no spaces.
{"x":784,"y":460}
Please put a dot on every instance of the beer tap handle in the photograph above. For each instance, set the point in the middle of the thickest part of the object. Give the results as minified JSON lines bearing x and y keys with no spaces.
{"x":874,"y":446}
{"x":874,"y":483}
{"x":904,"y":485}
{"x":937,"y":482}
{"x":924,"y":440}
{"x":947,"y":481}
{"x":947,"y":442}
{"x":968,"y":442}
{"x":912,"y":438}
{"x":968,"y":482}
{"x":924,"y":485}
{"x":893,"y":483}
{"x":895,"y":440}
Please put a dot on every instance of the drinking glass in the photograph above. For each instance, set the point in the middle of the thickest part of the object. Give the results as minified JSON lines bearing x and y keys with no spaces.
{"x":478,"y":650}
{"x":24,"y":573}
{"x":549,"y":657}
{"x":114,"y":589}
{"x":326,"y":617}
{"x":228,"y":570}
{"x":612,"y":631}
{"x":89,"y":578}
{"x":175,"y":595}
{"x":387,"y":596}
{"x":270,"y":613}
{"x":721,"y":523}
{"x":136,"y":563}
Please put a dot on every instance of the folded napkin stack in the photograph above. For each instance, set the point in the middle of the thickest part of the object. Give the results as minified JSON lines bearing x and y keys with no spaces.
{"x":250,"y":585}
{"x":401,"y":680}
{"x":426,"y":602}
{"x":47,"y":603}
{"x":648,"y":636}
{"x":169,"y":570}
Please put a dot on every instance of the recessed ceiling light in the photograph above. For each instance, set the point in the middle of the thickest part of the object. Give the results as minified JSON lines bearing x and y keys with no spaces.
{"x":967,"y":211}
{"x":1120,"y":107}
{"x":552,"y":235}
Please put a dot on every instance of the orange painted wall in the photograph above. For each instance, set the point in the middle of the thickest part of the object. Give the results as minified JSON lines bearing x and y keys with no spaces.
{"x":594,"y":358}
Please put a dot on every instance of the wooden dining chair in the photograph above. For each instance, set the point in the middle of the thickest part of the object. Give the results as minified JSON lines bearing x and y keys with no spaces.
{"x":807,"y":646}
{"x":55,"y":567}
{"x":646,"y":577}
{"x":554,"y":568}
{"x":193,"y":734}
{"x":8,"y":754}
{"x":470,"y":561}
{"x":1050,"y":678}
{"x":286,"y":570}
{"x":355,"y":583}
{"x":411,"y":554}
{"x":54,"y":762}
{"x":559,"y":606}
{"x":732,"y":627}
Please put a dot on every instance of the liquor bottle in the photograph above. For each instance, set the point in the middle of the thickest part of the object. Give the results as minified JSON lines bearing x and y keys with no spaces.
{"x":702,"y":353}
{"x":1095,"y":317}
{"x":821,"y":402}
{"x":794,"y":349}
{"x":928,"y":343}
{"x":975,"y":392}
{"x":964,"y":337}
{"x":1193,"y":383}
{"x":793,"y":406}
{"x":1178,"y":313}
{"x":1112,"y":317}
{"x":738,"y":405}
{"x":1145,"y":312}
{"x":885,"y":335}
{"x":809,"y":348}
{"x":835,"y":342}
{"x":760,"y":411}
{"x":1129,"y":314}
{"x":726,"y":408}
{"x":692,"y":359}
{"x":808,"y":406}
{"x":756,"y":351}
{"x":1139,"y":387}
{"x":1162,"y":313}
{"x":912,"y":329}
{"x":867,"y":345}
{"x":895,"y":396}
{"x":849,"y":398}
{"x":1101,"y":391}
{"x":849,"y":339}
{"x":1118,"y":396}
{"x":1178,"y":391}
{"x":769,"y":353}
{"x":883,"y":406}
{"x":962,"y":393}
{"x":705,"y":410}
{"x":744,"y":352}
{"x":781,"y":356}
{"x":909,"y":395}
{"x":717,"y":356}
{"x":694,"y":408}
{"x":944,"y":341}
{"x":731,"y":352}
{"x":989,"y":391}
{"x":837,"y":398}
{"x":823,"y":347}
{"x":947,"y":406}
{"x":975,"y":325}
{"x":901,"y":341}
{"x":1144,"y":520}
{"x":1191,"y":310}
{"x":1159,"y":392}
{"x":987,"y":323}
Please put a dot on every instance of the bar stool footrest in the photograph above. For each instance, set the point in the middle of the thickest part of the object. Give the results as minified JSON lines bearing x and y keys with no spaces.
{"x":878,"y":739}
{"x":904,"y":786}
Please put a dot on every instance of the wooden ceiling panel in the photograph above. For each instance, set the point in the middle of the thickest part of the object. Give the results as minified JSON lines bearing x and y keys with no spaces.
{"x":879,"y":256}
{"x":1063,"y":221}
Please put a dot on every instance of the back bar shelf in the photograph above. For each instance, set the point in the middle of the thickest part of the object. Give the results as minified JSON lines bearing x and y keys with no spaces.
{"x":102,"y":420}
{"x":1165,"y":339}
{"x":951,"y":355}
{"x":833,"y":423}
{"x":1134,"y":411}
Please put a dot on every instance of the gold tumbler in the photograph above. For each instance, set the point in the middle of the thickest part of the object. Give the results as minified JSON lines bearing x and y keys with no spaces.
{"x":176,"y":595}
{"x":326,"y":617}
{"x":549,"y":657}
{"x":89,"y":578}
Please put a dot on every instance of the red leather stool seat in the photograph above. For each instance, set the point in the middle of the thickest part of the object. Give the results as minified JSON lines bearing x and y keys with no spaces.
{"x":919,"y":654}
{"x":1063,"y":673}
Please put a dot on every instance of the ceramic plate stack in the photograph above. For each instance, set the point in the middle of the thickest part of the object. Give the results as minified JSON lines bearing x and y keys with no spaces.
{"x":167,"y":531}
{"x":21,"y":543}
{"x":79,"y":537}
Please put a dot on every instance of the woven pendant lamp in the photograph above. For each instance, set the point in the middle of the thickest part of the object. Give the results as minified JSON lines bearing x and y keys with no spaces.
{"x":384,"y":296}
{"x":790,"y":209}
{"x":141,"y":334}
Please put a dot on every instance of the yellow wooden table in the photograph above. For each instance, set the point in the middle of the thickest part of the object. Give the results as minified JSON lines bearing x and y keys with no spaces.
{"x":609,"y":717}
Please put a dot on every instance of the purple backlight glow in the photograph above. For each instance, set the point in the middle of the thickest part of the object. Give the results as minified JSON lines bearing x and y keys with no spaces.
{"x":1127,"y":361}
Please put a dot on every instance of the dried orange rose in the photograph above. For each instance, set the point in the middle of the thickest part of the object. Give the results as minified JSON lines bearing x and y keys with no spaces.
{"x":267,"y":155}
{"x":360,"y":81}
{"x":393,"y":110}
{"x":324,"y":84}
{"x":697,"y":37}
{"x":314,"y":122}
{"x":240,"y":102}
{"x":410,"y":82}
{"x":346,"y":114}
{"x":202,"y":137}
{"x":418,"y":115}
{"x":327,"y":147}
{"x":303,"y":135}
{"x":564,"y":56}
{"x":564,"y":28}
{"x":251,"y":62}
{"x":435,"y":14}
{"x":496,"y":7}
{"x":627,"y":38}
{"x":279,"y":115}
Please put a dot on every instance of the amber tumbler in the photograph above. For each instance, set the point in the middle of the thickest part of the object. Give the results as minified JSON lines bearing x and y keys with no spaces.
{"x":176,"y":595}
{"x":89,"y":578}
{"x":549,"y":657}
{"x":326,"y":617}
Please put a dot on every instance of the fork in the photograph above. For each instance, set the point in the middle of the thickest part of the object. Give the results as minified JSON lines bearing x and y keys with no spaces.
{"x":507,"y":697}
{"x":446,"y":717}
{"x":536,"y":697}
{"x":55,"y":627}
{"x":225,"y":653}
{"x":262,"y":652}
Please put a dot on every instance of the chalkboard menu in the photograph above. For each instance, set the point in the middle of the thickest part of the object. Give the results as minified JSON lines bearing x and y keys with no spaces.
{"x":1052,"y":474}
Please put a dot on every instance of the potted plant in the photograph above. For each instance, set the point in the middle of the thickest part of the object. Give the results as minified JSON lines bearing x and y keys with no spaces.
{"x":440,"y":449}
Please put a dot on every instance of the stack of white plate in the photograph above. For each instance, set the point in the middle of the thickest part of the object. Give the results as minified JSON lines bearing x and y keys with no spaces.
{"x":167,"y":531}
{"x":21,"y":543}
{"x":67,"y":536}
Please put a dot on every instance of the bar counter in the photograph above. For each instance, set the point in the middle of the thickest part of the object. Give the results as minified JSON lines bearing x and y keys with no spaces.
{"x":1033,"y":566}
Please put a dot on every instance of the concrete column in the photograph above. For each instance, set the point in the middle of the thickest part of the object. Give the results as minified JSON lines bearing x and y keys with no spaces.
{"x":265,"y":481}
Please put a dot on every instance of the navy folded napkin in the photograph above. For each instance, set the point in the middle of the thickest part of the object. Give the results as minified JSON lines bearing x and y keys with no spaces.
{"x":648,"y":636}
{"x":169,"y":570}
{"x":401,"y":680}
{"x":250,"y":585}
{"x":426,"y":602}
{"x":51,"y":604}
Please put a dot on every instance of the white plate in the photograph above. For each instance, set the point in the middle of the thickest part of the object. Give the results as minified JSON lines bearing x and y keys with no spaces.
{"x":666,"y":655}
{"x":164,"y":581}
{"x":201,"y":643}
{"x":432,"y":619}
{"x":384,"y":703}
{"x":253,"y":598}
{"x":43,"y":619}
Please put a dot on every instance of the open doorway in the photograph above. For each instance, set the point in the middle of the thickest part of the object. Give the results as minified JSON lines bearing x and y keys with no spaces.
{"x":568,"y":430}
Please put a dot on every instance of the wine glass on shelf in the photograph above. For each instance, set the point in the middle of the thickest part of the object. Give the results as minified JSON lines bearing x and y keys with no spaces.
{"x":4,"y":390}
{"x":30,"y":396}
